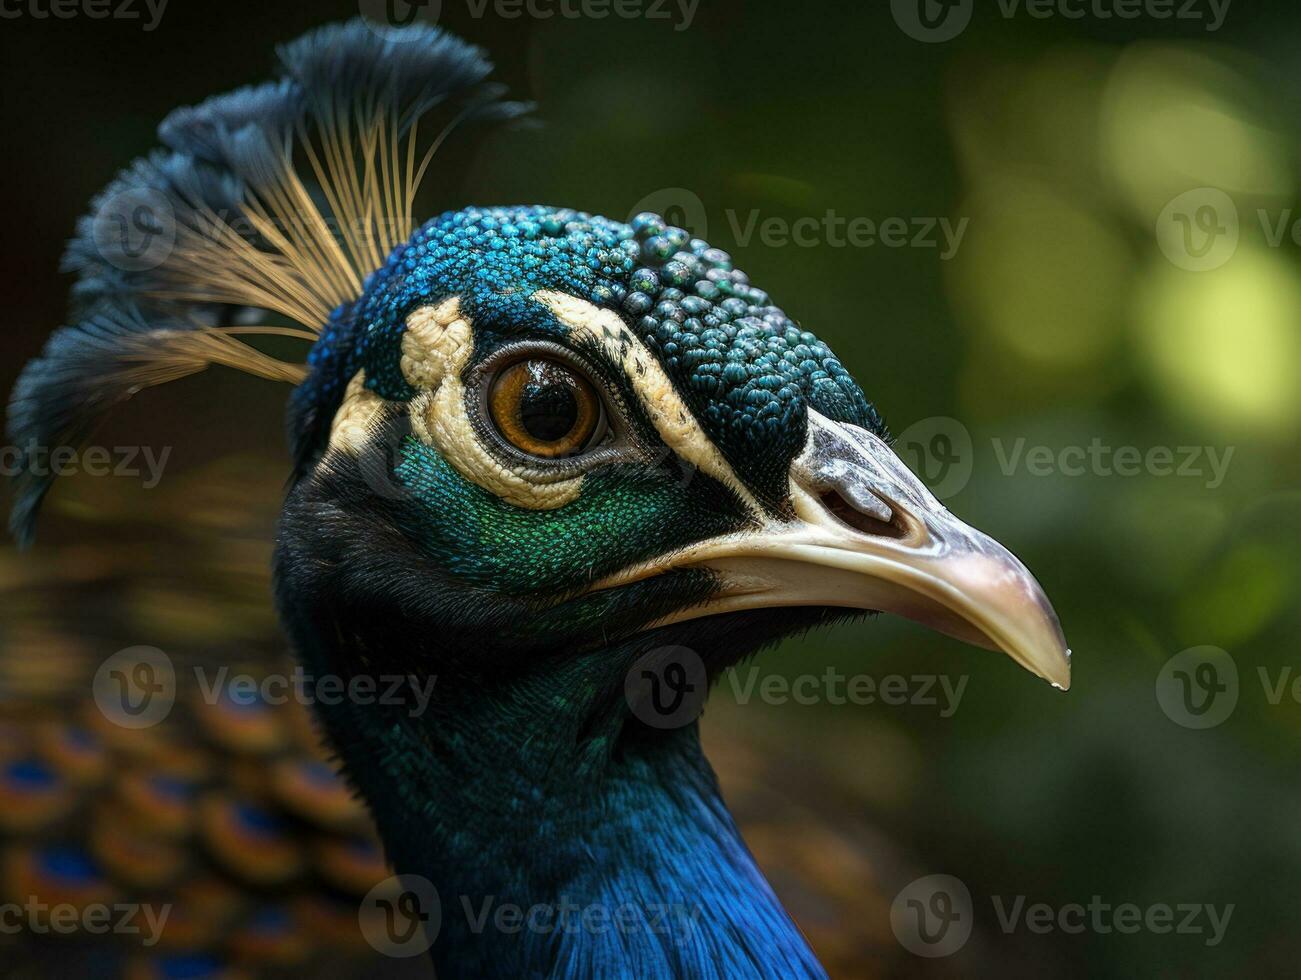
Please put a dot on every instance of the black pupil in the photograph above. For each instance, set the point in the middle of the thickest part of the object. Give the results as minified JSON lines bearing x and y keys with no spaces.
{"x":548,"y":409}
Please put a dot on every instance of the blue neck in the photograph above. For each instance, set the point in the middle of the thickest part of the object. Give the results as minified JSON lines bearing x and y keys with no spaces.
{"x":640,"y":873}
{"x":622,"y":854}
{"x":652,"y":881}
{"x":563,"y":839}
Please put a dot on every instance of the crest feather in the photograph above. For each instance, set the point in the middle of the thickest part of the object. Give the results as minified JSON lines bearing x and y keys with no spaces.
{"x":272,"y":201}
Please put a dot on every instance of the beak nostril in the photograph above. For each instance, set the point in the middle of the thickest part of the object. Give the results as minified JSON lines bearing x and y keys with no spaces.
{"x":847,"y":513}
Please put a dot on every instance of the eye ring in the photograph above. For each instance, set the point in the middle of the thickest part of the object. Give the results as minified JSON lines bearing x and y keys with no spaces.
{"x":608,"y":442}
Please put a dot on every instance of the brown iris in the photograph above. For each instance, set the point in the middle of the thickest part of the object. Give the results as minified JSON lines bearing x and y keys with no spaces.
{"x":543,"y":408}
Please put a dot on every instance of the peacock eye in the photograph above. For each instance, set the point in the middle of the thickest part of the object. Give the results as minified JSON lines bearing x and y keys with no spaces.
{"x":542,"y":407}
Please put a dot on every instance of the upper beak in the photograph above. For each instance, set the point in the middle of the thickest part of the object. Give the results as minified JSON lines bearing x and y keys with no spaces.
{"x":869,"y":535}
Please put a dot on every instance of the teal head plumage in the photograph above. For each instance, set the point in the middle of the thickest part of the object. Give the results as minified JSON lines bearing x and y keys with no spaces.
{"x":533,"y":448}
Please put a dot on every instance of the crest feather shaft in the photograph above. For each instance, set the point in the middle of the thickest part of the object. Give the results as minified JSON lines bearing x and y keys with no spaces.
{"x":281,"y":198}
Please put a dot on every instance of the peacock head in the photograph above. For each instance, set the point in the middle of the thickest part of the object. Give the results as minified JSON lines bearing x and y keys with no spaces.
{"x":576,"y":430}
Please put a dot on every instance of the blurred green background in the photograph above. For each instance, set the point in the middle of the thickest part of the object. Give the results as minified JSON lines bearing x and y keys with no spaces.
{"x":1067,"y":314}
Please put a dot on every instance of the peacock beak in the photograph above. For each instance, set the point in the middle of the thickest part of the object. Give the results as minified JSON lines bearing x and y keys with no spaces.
{"x":868,"y":534}
{"x":877,"y":538}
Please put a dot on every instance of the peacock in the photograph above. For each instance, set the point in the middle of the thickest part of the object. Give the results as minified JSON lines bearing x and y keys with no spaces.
{"x":556,"y":471}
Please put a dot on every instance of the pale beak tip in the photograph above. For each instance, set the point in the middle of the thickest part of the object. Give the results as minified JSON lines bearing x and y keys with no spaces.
{"x":1056,"y":669}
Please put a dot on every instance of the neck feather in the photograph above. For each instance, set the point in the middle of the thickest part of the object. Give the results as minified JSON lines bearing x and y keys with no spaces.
{"x":560,"y":843}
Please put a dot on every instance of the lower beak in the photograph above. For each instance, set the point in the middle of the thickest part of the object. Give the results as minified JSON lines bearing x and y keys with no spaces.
{"x":869,"y":535}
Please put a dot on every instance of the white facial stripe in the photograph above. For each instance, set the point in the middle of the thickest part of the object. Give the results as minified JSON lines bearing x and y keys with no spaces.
{"x":436,"y":347}
{"x":668,"y":413}
{"x":353,"y":420}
